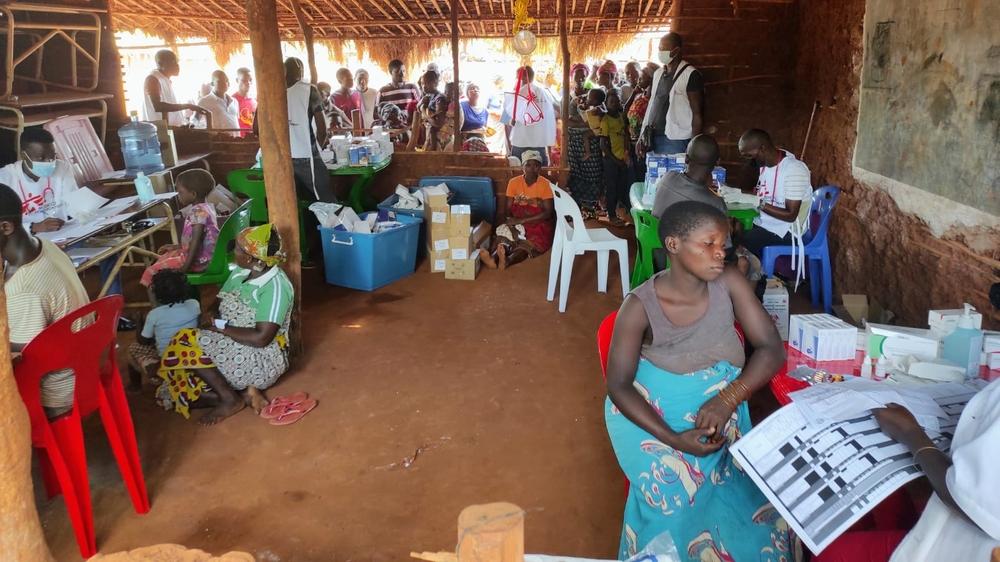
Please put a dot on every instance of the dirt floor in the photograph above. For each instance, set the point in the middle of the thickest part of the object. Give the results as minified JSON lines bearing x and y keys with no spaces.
{"x":499,"y":393}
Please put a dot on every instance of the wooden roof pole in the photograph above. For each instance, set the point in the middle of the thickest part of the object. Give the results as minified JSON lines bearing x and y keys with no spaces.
{"x":272,"y":122}
{"x":22,"y":537}
{"x":457,"y":142}
{"x":564,"y":45}
{"x":307,"y":35}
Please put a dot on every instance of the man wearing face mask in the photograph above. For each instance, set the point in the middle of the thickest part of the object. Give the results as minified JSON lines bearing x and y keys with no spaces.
{"x":674,"y":116}
{"x":41,"y":181}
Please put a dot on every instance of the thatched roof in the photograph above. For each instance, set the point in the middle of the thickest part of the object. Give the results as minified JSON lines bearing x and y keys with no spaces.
{"x":222,"y":20}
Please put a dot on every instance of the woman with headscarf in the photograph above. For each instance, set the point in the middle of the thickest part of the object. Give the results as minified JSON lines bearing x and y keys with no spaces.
{"x":241,"y":347}
{"x":585,"y":167}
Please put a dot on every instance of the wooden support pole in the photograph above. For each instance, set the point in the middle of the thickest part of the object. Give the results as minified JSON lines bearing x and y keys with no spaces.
{"x":457,"y":143}
{"x":307,"y":35}
{"x":564,"y":45}
{"x":272,"y":121}
{"x":21,"y":537}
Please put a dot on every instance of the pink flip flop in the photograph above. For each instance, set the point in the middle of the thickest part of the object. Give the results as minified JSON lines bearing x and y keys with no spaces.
{"x":280,"y":405}
{"x":294,"y":413}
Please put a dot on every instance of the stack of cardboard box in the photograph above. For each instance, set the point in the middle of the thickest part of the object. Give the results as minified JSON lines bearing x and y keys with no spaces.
{"x":453,"y":243}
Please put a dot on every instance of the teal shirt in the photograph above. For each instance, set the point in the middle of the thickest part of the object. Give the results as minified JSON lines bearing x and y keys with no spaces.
{"x":270,"y":295}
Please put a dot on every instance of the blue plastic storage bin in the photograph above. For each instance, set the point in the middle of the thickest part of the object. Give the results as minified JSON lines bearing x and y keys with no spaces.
{"x":369,"y":261}
{"x":477,"y":192}
{"x":472,"y":191}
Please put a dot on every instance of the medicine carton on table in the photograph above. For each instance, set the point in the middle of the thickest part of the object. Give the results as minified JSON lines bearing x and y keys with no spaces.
{"x":823,"y":337}
{"x":776,"y":304}
{"x":896,"y":342}
{"x":944,"y":322}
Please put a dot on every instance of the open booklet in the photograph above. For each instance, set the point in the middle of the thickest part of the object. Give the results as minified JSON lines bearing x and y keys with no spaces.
{"x":823,"y":470}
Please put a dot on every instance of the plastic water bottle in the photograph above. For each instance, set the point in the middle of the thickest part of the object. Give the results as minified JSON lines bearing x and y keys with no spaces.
{"x":140,"y":146}
{"x":963,"y":346}
{"x":144,"y":187}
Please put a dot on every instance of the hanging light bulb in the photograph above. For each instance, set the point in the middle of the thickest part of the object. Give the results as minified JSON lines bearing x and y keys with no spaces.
{"x":525,"y":42}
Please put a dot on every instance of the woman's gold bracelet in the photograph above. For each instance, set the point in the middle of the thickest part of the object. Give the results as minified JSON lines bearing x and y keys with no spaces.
{"x":925,"y":448}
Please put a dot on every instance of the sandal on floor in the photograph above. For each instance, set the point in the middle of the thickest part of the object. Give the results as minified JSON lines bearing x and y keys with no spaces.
{"x":294,"y":413}
{"x":281,"y":404}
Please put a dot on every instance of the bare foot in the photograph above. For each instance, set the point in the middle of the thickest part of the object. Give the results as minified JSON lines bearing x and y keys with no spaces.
{"x":487,"y":259}
{"x":221,"y":412}
{"x":502,"y":256}
{"x":255,"y":399}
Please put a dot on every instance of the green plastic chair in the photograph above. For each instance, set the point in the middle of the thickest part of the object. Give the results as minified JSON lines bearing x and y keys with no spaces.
{"x":251,"y":184}
{"x":648,"y":239}
{"x":219,"y":268}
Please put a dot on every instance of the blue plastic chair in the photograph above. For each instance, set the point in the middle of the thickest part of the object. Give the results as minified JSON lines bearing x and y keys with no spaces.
{"x":817,"y":249}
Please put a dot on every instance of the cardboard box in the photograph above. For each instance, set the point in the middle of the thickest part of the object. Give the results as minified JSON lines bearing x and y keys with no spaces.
{"x":438,"y":261}
{"x":944,"y":322}
{"x":822,"y":336}
{"x":896,"y":342}
{"x":464,"y":270}
{"x":859,"y":310}
{"x":993,"y":361}
{"x":460,"y":220}
{"x":438,"y":216}
{"x":435,"y":200}
{"x":460,"y":247}
{"x":776,"y":304}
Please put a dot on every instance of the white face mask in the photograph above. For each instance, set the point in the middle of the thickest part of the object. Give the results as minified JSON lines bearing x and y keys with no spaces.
{"x":665,"y":56}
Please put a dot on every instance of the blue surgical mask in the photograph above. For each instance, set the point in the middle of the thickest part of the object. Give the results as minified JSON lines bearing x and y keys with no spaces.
{"x":42,"y":169}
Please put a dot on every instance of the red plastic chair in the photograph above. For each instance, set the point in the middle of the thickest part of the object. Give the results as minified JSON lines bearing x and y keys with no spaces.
{"x":59,"y":441}
{"x":604,"y":333}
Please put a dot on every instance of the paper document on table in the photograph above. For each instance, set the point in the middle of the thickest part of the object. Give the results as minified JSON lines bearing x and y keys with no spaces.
{"x":82,"y":201}
{"x":826,"y":403}
{"x":71,"y":230}
{"x":823,"y":477}
{"x":164,"y":196}
{"x":81,"y":254}
{"x":117,"y":206}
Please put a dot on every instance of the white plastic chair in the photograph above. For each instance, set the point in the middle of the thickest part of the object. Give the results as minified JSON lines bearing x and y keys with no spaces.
{"x":570,"y":242}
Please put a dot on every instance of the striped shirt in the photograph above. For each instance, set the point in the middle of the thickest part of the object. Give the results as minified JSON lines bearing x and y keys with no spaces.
{"x":405,"y":97}
{"x":270,"y":295}
{"x":39,"y":293}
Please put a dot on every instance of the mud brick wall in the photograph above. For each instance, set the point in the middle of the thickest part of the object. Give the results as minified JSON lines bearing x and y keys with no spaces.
{"x":877,"y":249}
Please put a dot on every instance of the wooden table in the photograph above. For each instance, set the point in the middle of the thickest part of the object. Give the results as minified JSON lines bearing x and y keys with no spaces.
{"x":782,"y":384}
{"x":743,"y":213}
{"x":365,"y":174}
{"x":37,"y":109}
{"x":126,"y":246}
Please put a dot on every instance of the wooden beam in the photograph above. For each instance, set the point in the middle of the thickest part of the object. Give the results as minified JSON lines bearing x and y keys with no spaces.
{"x":564,"y":47}
{"x":457,"y":143}
{"x":22,"y":537}
{"x":292,"y":23}
{"x":272,"y":121}
{"x":307,"y":35}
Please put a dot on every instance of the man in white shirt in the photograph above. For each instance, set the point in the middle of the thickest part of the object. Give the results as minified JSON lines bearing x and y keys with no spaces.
{"x":223,"y":108}
{"x":160,"y":101}
{"x":785,"y":191}
{"x":41,"y":181}
{"x":676,"y":99}
{"x":369,"y":98}
{"x":532,"y":117}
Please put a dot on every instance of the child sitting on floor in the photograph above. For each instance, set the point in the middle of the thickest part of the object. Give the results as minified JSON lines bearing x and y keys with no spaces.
{"x":201,"y":228}
{"x":174,"y":311}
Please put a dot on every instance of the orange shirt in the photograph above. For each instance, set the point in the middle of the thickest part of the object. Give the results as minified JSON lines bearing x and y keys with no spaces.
{"x":524,"y":194}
